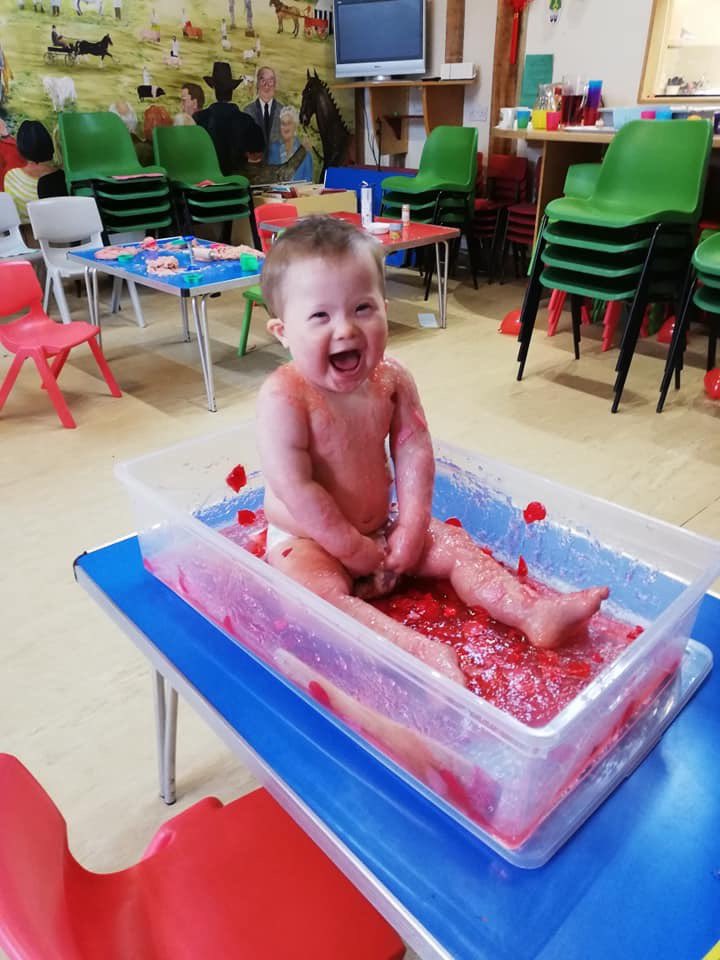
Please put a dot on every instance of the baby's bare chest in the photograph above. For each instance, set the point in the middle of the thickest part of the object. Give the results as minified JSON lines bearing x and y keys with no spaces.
{"x":351,"y":433}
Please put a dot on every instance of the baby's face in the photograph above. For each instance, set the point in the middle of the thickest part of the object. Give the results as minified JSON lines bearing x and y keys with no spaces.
{"x":334,"y":320}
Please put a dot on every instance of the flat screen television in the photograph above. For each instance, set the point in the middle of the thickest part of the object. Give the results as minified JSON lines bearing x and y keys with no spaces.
{"x":376,"y":38}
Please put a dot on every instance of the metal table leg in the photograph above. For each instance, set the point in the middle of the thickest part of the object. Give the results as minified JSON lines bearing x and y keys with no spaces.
{"x":185,"y":323}
{"x":442,"y":280}
{"x":166,"y":700}
{"x":200,"y":318}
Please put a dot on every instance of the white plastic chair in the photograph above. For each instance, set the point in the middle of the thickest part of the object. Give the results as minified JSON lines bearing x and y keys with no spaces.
{"x":12,"y":245}
{"x":61,"y":225}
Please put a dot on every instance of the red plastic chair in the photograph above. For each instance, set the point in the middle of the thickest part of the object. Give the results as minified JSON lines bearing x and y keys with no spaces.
{"x":217,"y":882}
{"x":35,"y":336}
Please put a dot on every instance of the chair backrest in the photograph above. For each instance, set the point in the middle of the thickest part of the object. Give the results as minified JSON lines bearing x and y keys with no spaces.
{"x":11,"y":241}
{"x":659,"y":165}
{"x":272,"y":211}
{"x":36,"y":866}
{"x":63,"y":222}
{"x":95,"y":143}
{"x":187,"y":153}
{"x":450,"y":154}
{"x":19,"y":288}
{"x":507,"y":178}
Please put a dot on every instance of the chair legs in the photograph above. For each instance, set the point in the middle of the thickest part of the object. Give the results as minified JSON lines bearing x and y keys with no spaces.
{"x":247,"y":317}
{"x":60,"y":298}
{"x":49,"y":374}
{"x":673,"y":361}
{"x":531,"y":301}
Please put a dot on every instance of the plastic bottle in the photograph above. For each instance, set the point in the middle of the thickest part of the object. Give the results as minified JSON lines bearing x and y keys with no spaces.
{"x":365,"y":204}
{"x":405,"y":214}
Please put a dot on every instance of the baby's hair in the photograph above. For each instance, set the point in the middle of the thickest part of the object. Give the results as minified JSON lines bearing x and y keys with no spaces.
{"x":315,"y":237}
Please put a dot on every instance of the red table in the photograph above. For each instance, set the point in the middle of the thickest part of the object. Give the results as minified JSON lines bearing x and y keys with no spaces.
{"x":410,"y":236}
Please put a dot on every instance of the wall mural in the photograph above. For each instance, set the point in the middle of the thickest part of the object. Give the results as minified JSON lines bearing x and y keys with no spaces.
{"x":163,"y":62}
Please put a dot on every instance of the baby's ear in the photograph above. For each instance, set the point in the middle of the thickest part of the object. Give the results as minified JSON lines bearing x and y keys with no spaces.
{"x":276,"y":327}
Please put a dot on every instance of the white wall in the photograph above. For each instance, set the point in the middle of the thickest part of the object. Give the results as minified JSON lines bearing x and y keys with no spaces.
{"x":598,"y":39}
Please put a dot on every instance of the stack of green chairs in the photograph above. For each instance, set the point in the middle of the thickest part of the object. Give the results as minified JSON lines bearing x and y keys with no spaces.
{"x":188,"y":155}
{"x":702,"y":290}
{"x":443,"y":190}
{"x":97,"y":150}
{"x":632,"y":238}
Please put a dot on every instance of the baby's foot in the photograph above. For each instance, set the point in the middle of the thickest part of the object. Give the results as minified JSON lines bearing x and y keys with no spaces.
{"x":552,"y":620}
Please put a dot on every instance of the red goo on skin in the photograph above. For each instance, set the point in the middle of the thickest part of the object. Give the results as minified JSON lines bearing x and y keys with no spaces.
{"x":286,"y":553}
{"x":246,"y":518}
{"x":237,"y":478}
{"x":319,"y":693}
{"x":534,"y":511}
{"x":522,"y":567}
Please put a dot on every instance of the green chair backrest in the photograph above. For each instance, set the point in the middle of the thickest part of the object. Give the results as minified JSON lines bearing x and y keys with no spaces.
{"x":450,"y":154}
{"x":581,"y":180}
{"x":660,"y":165}
{"x":96,"y":142}
{"x":187,"y":153}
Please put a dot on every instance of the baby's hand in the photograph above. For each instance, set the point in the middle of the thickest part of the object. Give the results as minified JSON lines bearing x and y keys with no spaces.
{"x":405,"y":547}
{"x":367,"y":557}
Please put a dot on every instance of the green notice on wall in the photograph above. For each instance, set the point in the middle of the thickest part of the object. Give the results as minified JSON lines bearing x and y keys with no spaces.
{"x":538,"y":69}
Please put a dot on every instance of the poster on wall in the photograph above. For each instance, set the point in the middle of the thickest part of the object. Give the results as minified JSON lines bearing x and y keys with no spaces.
{"x":164,"y":62}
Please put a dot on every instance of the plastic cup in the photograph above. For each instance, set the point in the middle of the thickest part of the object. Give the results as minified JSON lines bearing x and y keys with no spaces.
{"x":523,"y":118}
{"x":248,"y":262}
{"x":553,"y":119}
{"x":539,"y":119}
{"x":647,"y":114}
{"x":663,"y":113}
{"x":193,"y":276}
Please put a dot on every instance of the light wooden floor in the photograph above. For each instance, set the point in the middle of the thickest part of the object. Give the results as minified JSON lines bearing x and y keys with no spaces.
{"x":75,"y":697}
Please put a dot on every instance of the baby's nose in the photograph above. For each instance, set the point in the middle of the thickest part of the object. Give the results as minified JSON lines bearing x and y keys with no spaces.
{"x":345,"y":325}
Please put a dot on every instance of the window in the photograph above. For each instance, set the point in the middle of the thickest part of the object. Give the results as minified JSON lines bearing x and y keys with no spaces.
{"x":682,"y":57}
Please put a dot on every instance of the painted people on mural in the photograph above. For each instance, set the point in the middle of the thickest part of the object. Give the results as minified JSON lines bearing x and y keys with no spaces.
{"x":235,"y":134}
{"x":265,"y":109}
{"x":289,"y":143}
{"x":192,"y":99}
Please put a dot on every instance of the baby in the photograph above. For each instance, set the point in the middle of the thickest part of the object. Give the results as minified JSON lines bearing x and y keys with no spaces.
{"x":325,"y":424}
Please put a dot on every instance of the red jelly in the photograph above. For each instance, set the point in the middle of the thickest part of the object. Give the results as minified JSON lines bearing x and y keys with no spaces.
{"x":237,"y":478}
{"x":246,"y":517}
{"x":534,"y":511}
{"x":522,"y":567}
{"x":453,"y":522}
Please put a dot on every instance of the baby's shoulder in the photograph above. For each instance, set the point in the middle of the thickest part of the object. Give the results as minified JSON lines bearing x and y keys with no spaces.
{"x":283,"y":387}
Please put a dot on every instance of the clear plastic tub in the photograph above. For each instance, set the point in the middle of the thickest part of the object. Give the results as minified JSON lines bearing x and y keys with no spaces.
{"x":522,"y":789}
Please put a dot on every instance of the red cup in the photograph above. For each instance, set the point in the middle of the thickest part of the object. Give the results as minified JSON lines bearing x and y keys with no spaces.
{"x":553,"y":119}
{"x":647,"y":114}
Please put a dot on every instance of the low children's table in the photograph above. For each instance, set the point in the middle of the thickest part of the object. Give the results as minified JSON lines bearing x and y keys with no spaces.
{"x":193,"y":284}
{"x":640,"y":879}
{"x":410,"y":236}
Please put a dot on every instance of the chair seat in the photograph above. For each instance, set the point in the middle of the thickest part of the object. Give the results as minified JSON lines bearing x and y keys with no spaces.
{"x":602,"y":214}
{"x":254,"y":294}
{"x":707,"y":256}
{"x":422,"y":183}
{"x":45,"y":334}
{"x":523,"y":210}
{"x":483,"y":205}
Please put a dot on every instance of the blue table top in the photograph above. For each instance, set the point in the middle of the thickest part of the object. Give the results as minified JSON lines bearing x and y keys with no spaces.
{"x":640,"y":879}
{"x":214,"y":273}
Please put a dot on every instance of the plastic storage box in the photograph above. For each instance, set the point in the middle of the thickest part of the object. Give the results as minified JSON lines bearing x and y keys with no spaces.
{"x":522,"y":789}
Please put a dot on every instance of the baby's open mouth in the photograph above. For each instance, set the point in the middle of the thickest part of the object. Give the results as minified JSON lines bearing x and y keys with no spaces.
{"x":346,"y":360}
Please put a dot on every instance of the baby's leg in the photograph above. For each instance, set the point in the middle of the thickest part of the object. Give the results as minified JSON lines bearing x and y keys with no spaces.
{"x":307,"y":563}
{"x":479,"y":580}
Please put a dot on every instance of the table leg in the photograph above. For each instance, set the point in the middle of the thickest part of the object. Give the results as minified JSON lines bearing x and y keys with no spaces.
{"x":442,"y":280}
{"x":200,"y":318}
{"x":186,"y":325}
{"x":166,"y":700}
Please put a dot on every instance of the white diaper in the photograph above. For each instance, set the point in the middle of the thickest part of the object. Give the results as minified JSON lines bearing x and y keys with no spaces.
{"x":276,"y":536}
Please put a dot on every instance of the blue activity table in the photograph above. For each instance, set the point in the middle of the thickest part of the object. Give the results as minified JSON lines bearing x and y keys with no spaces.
{"x":640,"y":880}
{"x":193,"y":284}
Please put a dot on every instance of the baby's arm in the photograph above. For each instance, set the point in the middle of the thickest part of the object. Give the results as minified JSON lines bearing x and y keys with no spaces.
{"x":412,"y":454}
{"x":284,"y":446}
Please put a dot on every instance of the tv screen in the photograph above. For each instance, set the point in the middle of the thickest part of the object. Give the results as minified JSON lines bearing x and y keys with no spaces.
{"x":379,"y":37}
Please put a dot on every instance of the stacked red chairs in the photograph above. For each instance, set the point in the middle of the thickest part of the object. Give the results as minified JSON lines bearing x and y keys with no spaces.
{"x":506,"y":186}
{"x":518,"y":229}
{"x":34,"y":336}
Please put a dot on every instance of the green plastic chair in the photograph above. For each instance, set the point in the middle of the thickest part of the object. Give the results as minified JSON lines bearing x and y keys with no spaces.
{"x":653,"y":171}
{"x":188,"y":154}
{"x":96,"y":146}
{"x":448,"y":163}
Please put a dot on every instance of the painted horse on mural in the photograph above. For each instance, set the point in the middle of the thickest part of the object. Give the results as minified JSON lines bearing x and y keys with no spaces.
{"x":336,"y":137}
{"x":97,"y":48}
{"x":284,"y":11}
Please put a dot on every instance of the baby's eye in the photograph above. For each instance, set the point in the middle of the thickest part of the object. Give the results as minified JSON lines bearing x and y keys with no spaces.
{"x":319,"y":315}
{"x":363,"y":307}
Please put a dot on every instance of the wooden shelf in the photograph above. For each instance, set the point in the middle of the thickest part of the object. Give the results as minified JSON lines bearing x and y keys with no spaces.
{"x":442,"y":103}
{"x":367,"y":84}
